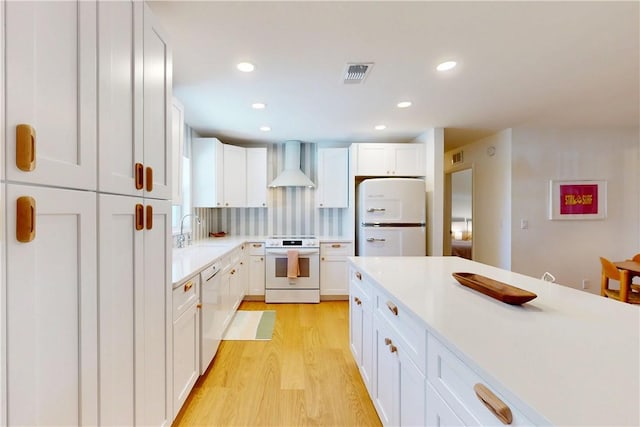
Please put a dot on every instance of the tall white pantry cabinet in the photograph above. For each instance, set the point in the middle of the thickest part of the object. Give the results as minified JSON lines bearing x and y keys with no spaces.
{"x":85,"y":301}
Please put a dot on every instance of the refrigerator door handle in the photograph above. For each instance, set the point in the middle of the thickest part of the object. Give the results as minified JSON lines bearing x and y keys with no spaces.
{"x":371,"y":239}
{"x":376,"y":210}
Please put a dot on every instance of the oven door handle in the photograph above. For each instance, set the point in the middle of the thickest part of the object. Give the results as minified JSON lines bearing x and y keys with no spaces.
{"x":301,"y":252}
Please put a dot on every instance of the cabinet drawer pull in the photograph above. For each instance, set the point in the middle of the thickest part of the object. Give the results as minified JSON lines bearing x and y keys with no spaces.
{"x":357,"y":300}
{"x":149,"y":178}
{"x":233,"y":271}
{"x":393,"y":348}
{"x":198,"y":305}
{"x":139,"y":217}
{"x":372,"y":239}
{"x":392,"y":307}
{"x":370,"y":210}
{"x":322,"y":259}
{"x":25,"y":147}
{"x":139,"y":175}
{"x":493,"y":403}
{"x":188,"y":286}
{"x":257,"y":245}
{"x":25,"y":219}
{"x":387,"y":341}
{"x":336,"y":245}
{"x":358,"y":275}
{"x":149,"y":217}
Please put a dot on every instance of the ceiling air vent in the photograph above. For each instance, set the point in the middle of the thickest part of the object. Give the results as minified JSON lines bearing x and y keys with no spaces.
{"x":357,"y":72}
{"x":457,"y":158}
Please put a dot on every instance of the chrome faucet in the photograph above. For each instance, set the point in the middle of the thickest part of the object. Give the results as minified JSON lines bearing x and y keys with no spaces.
{"x":181,"y":237}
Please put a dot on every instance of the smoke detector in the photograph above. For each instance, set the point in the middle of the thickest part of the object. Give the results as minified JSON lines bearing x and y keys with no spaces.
{"x":356,"y":72}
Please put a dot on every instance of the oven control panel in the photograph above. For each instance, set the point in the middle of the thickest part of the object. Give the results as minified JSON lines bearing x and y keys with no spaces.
{"x":292,"y":242}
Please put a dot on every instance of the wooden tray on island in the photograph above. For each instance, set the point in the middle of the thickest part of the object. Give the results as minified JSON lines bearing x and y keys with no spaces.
{"x":498,"y":290}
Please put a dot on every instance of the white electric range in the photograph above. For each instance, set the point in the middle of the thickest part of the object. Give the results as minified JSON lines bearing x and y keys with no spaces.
{"x":305,"y":288}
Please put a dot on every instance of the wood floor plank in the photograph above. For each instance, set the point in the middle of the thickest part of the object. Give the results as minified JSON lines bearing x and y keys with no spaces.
{"x":304,"y":376}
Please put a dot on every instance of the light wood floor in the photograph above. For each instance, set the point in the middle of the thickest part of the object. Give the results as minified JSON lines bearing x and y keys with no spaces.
{"x":305,"y":375}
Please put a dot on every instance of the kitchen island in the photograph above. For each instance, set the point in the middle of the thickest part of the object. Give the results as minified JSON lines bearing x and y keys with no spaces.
{"x":565,"y":358}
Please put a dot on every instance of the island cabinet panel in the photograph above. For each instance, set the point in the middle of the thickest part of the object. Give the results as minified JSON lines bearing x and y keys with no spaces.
{"x":454,"y":382}
{"x":361,"y":325}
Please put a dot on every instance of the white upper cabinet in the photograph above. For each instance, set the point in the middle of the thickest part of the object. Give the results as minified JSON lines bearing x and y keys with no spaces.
{"x":120,"y":139}
{"x":51,"y":71}
{"x":177,"y":147}
{"x":228,"y":176}
{"x":390,"y":160}
{"x":207,"y":166}
{"x":157,"y":69}
{"x":134,"y":107}
{"x":333,"y":178}
{"x":234,"y":183}
{"x":257,"y":177}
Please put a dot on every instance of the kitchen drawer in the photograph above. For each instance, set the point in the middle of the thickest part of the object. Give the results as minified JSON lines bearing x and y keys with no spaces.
{"x":411,"y":329}
{"x":357,"y":278}
{"x":336,"y":248}
{"x":185,"y":295}
{"x":454,"y":381}
{"x":256,"y":248}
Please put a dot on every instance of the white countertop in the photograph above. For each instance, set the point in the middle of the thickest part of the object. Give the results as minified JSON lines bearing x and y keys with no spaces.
{"x":571,"y":356}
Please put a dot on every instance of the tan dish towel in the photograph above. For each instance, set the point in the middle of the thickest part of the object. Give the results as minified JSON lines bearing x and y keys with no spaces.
{"x":293,"y":268}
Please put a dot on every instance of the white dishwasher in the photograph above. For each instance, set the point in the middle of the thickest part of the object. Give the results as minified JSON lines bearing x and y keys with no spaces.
{"x":211,"y":321}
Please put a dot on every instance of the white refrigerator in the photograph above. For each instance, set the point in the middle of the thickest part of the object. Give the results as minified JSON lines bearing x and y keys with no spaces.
{"x":391,"y":217}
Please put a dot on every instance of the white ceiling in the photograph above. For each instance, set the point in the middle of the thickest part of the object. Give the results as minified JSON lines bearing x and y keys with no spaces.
{"x":560,"y":64}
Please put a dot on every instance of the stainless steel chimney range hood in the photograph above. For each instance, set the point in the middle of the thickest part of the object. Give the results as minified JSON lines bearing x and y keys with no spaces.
{"x":291,"y":175}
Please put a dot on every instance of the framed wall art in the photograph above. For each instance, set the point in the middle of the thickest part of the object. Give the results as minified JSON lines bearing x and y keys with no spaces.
{"x":577,"y":199}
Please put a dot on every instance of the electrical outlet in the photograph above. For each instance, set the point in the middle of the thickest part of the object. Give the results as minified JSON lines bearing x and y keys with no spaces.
{"x":585,"y":283}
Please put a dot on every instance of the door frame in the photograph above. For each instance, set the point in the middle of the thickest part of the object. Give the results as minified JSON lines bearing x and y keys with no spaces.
{"x":446,"y":231}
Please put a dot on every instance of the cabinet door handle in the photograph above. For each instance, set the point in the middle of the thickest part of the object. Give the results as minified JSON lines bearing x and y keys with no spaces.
{"x":25,"y":147}
{"x":149,"y":217}
{"x":139,"y":175}
{"x":358,"y":275}
{"x":198,"y":305}
{"x":393,"y":348}
{"x":371,"y":239}
{"x":233,"y":271}
{"x":322,"y":259}
{"x":357,"y":300}
{"x":392,"y":307}
{"x":188,"y":286}
{"x":387,"y":341}
{"x":257,"y":245}
{"x":493,"y":403}
{"x":370,"y":210}
{"x":149,"y":178}
{"x":139,"y":217}
{"x":25,"y":219}
{"x":336,"y":245}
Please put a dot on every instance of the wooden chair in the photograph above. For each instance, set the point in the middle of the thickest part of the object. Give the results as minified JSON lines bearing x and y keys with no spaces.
{"x":611,"y":272}
{"x":635,"y":287}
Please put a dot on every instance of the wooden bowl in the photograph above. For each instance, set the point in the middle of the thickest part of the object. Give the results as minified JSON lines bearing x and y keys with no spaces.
{"x":498,"y":290}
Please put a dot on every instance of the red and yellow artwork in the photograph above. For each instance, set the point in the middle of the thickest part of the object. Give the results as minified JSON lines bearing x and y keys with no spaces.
{"x":581,"y":199}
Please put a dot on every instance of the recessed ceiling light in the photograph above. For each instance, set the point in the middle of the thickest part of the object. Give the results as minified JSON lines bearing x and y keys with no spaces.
{"x":446,"y":66}
{"x":258,"y":106}
{"x":404,"y":104}
{"x":380,"y":127}
{"x":246,"y":67}
{"x":265,"y":128}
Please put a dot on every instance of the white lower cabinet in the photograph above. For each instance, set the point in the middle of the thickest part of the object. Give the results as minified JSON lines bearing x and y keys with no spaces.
{"x":361,"y":326}
{"x":334,"y":269}
{"x":51,"y":318}
{"x":438,"y":412}
{"x":135,"y":310}
{"x":186,"y":340}
{"x":256,"y":268}
{"x":399,"y":385}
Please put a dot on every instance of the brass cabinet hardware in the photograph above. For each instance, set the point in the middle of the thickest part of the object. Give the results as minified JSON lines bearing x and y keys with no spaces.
{"x":257,"y":245}
{"x":188,"y":286}
{"x":387,"y":341}
{"x":322,"y":259}
{"x":391,"y":306}
{"x":393,"y":348}
{"x":139,"y":217}
{"x":25,"y":147}
{"x":149,"y":178}
{"x":26,"y":219}
{"x":358,"y":275}
{"x":149,"y":217}
{"x":493,"y":403}
{"x":198,"y":305}
{"x":357,"y":300}
{"x":336,"y":245}
{"x":261,"y":259}
{"x":139,"y":175}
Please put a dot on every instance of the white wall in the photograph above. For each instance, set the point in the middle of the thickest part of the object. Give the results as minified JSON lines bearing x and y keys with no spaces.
{"x":433,"y":139}
{"x":570,"y":249}
{"x":491,"y":197}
